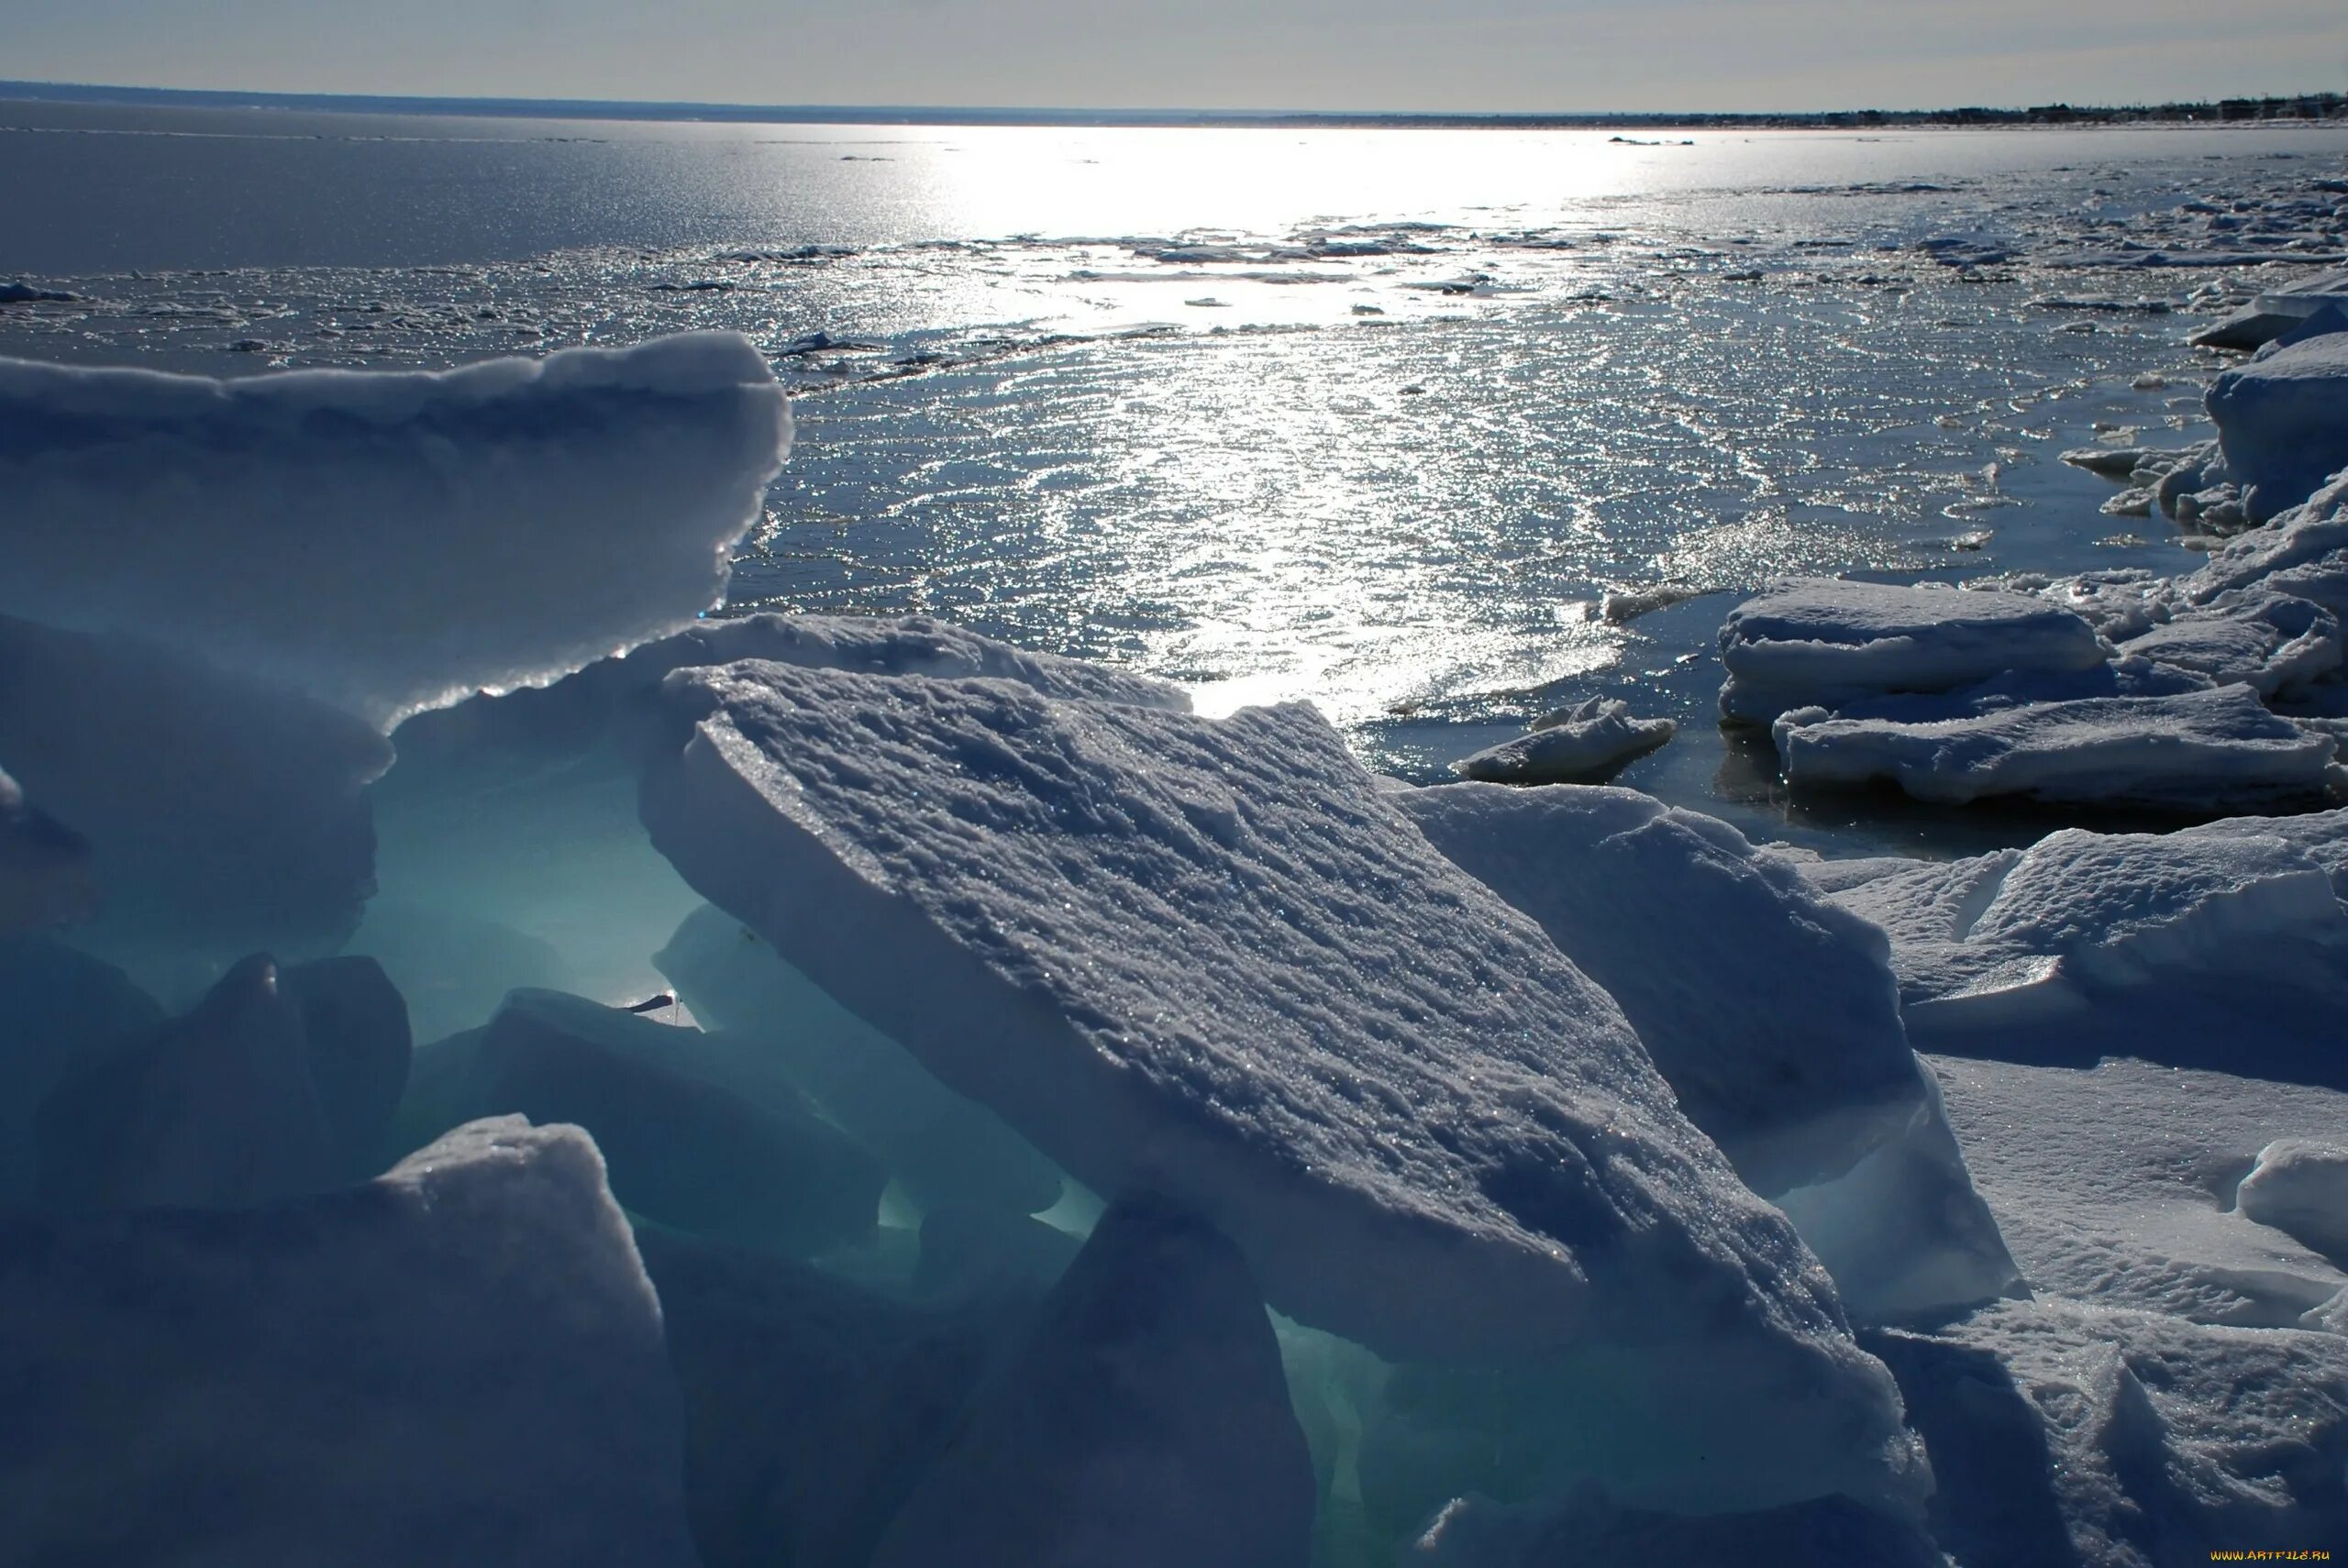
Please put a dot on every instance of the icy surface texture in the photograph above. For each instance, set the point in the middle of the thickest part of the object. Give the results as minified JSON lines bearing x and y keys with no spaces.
{"x":1824,"y":641}
{"x":2300,"y":1187}
{"x":389,"y":542}
{"x":2268,"y":641}
{"x":2148,"y":945}
{"x":1205,"y":958}
{"x":2283,"y":419}
{"x":2116,"y":1184}
{"x":1771,"y":1012}
{"x":472,"y":1330}
{"x":2218,"y":749}
{"x":226,"y":814}
{"x":2069,"y":1434}
{"x":44,"y":866}
{"x":1590,"y":741}
{"x":1142,"y":1419}
{"x":682,"y":1149}
{"x":781,"y":1037}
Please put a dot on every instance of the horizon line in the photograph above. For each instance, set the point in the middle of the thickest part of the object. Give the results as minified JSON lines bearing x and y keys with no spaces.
{"x":688,"y":110}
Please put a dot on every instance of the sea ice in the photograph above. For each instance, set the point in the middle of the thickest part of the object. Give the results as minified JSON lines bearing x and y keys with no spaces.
{"x":225,"y":814}
{"x":1590,"y":741}
{"x":385,"y":542}
{"x":44,"y":866}
{"x":2268,"y":641}
{"x":1825,"y":641}
{"x":680,"y":1149}
{"x":2283,"y":419}
{"x":2149,"y":945}
{"x":1208,"y":959}
{"x":2072,"y":1434}
{"x":1771,"y":1012}
{"x":1143,"y":1419}
{"x":458,"y":1363}
{"x":2216,"y":749}
{"x":813,"y":1406}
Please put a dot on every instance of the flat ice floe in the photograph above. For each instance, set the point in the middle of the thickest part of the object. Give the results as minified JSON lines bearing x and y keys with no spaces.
{"x":1825,"y":641}
{"x":2215,"y":749}
{"x":473,"y":1328}
{"x":389,"y":542}
{"x":1771,"y":1012}
{"x":1591,"y":741}
{"x":1206,"y":959}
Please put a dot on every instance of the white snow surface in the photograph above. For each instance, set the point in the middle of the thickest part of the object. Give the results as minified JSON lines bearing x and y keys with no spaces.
{"x":1771,"y":1011}
{"x":2164,"y":945}
{"x":388,"y":542}
{"x":1207,"y":958}
{"x":473,"y":1328}
{"x":2283,"y":421}
{"x":2215,"y":749}
{"x":1585,"y":742}
{"x":2300,"y":1187}
{"x":2271,"y":642}
{"x":1810,"y":642}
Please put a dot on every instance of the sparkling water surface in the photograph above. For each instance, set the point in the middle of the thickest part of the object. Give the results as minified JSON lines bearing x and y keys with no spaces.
{"x":1370,"y":418}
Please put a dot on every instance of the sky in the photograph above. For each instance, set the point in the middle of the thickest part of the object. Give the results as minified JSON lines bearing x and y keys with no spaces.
{"x":1428,"y":55}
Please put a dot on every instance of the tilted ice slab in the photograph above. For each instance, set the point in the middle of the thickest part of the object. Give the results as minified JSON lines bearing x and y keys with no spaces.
{"x":1585,"y":742}
{"x":1206,"y":958}
{"x":2115,"y":1183}
{"x":2225,"y":944}
{"x":2217,"y":749}
{"x":1771,"y":1011}
{"x":2283,"y":420}
{"x":2071,"y":1434}
{"x":458,"y":1363}
{"x":387,"y":542}
{"x":1823,"y":641}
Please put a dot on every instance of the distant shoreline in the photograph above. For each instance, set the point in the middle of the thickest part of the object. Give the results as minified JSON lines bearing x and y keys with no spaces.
{"x":2322,"y":108}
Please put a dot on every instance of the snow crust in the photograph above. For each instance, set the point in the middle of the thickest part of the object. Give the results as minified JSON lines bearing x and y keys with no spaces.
{"x":1206,"y":959}
{"x":387,"y":542}
{"x":1587,"y":742}
{"x":1825,"y":641}
{"x":2300,"y":1187}
{"x":473,"y":1328}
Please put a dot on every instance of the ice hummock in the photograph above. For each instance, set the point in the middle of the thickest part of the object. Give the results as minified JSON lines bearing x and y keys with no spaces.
{"x":387,"y":542}
{"x":2283,"y":420}
{"x":1204,"y":959}
{"x":1771,"y":1012}
{"x":460,"y":1362}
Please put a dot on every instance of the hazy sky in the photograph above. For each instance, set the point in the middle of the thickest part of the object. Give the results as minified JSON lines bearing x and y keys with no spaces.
{"x":1367,"y":54}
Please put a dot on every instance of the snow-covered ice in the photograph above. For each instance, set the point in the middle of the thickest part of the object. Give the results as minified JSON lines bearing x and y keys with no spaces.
{"x":1143,"y":1419}
{"x":2300,"y":1187}
{"x":386,"y":542}
{"x":2141,"y":943}
{"x":2218,"y":749}
{"x":2283,"y":420}
{"x":1589,"y":741}
{"x":473,"y":1328}
{"x":1771,"y":1012}
{"x":1826,"y":641}
{"x":1206,"y":958}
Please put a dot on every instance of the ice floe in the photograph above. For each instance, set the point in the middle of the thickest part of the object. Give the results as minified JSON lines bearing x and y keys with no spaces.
{"x":473,"y":1328}
{"x":2283,"y":422}
{"x":1205,"y":958}
{"x":1593,"y":740}
{"x":390,"y":542}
